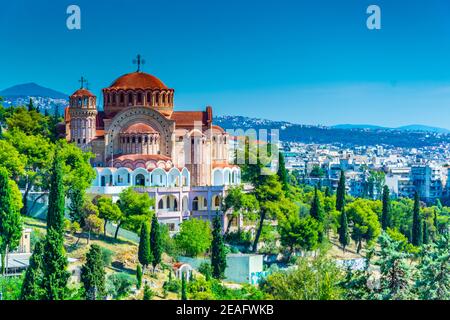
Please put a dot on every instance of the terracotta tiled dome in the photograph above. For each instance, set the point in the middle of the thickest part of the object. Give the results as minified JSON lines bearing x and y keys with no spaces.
{"x":139,"y":128}
{"x":82,"y":93}
{"x":138,"y":80}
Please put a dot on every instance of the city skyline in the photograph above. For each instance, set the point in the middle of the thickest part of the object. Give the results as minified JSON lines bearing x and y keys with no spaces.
{"x":322,"y":66}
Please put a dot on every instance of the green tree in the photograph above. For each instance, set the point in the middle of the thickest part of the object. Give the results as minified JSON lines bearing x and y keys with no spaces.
{"x":340,"y":193}
{"x":433,"y":276}
{"x":194,"y":237}
{"x":135,"y":209}
{"x":317,"y":212}
{"x":34,"y":153}
{"x":316,"y":279}
{"x":239,"y":203}
{"x":10,"y":220}
{"x":417,"y":236}
{"x":425,"y":233}
{"x":183,"y":287}
{"x":269,"y":194}
{"x":92,"y":222}
{"x":108,"y":211}
{"x":356,"y":283}
{"x":298,"y":232}
{"x":155,"y":242}
{"x":56,"y":199}
{"x":30,"y":105}
{"x":364,"y":220}
{"x":32,"y":284}
{"x":218,"y":252}
{"x":93,"y":274}
{"x":11,"y":160}
{"x":138,"y":276}
{"x":55,"y":275}
{"x":75,"y":207}
{"x":386,"y":213}
{"x":144,"y":251}
{"x":317,"y":172}
{"x":394,"y":269}
{"x":282,"y":173}
{"x":344,"y":238}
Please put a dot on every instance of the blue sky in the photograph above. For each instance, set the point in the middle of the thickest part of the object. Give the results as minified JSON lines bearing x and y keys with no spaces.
{"x":311,"y":62}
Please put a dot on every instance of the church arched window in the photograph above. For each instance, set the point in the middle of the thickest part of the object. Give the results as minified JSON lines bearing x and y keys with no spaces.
{"x":195,"y":204}
{"x":122,"y":98}
{"x":139,"y":97}
{"x":130,"y":98}
{"x":161,"y":204}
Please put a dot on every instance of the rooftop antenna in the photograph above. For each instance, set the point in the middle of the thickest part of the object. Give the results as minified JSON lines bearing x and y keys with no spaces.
{"x":139,"y":61}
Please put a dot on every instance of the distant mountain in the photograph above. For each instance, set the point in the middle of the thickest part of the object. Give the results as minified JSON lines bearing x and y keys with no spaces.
{"x":418,"y":127}
{"x":44,"y":98}
{"x":351,"y":135}
{"x":358,"y":126}
{"x":32,"y":89}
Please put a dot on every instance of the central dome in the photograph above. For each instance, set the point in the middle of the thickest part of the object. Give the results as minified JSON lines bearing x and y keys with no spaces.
{"x":139,"y":128}
{"x":138,"y":80}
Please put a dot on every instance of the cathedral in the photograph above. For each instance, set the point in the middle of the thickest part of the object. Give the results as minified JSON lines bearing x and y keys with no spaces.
{"x":180,"y":158}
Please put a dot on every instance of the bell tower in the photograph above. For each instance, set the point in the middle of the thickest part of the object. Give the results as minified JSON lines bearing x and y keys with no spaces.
{"x":83,"y":113}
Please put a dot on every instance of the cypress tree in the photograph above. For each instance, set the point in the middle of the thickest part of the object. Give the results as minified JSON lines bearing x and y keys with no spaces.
{"x":417,"y":236}
{"x":282,"y":172}
{"x":426,"y":235}
{"x":316,"y":207}
{"x":30,"y":105}
{"x":138,"y":276}
{"x":436,"y":224}
{"x":31,"y":286}
{"x":10,"y":219}
{"x":386,"y":213}
{"x":317,"y":212}
{"x":56,"y":201}
{"x":327,"y":191}
{"x":54,"y":267}
{"x":183,"y":287}
{"x":340,"y":193}
{"x":75,"y":207}
{"x":344,"y":237}
{"x":218,"y":253}
{"x":155,"y":242}
{"x":144,"y":252}
{"x":93,"y":274}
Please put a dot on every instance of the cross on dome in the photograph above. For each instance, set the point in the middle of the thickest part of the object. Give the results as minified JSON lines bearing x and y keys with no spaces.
{"x":82,"y":81}
{"x":139,"y":61}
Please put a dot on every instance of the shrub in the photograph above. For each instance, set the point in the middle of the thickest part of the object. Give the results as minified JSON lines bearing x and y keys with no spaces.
{"x":172,"y":285}
{"x":106,"y":256}
{"x":206,"y":270}
{"x":118,"y":285}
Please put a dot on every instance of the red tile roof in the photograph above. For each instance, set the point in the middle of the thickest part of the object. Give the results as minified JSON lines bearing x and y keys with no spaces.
{"x":139,"y":128}
{"x":82,"y":93}
{"x":145,"y":157}
{"x":138,"y":80}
